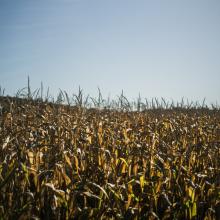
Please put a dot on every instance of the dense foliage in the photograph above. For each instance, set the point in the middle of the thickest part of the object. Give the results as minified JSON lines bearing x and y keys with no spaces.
{"x":62,"y":162}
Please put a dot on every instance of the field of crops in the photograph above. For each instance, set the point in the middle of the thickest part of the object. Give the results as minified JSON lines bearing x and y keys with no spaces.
{"x":62,"y":162}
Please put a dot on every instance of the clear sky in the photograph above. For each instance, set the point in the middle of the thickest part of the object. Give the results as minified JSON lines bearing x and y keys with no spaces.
{"x":168,"y":48}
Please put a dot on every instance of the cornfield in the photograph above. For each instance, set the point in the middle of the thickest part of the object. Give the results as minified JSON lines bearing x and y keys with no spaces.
{"x":70,"y":162}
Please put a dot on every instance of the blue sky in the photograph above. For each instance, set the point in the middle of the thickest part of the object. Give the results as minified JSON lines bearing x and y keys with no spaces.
{"x":159,"y":48}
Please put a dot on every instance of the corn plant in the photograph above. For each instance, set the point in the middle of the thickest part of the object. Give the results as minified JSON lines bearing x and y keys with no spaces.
{"x":61,"y":161}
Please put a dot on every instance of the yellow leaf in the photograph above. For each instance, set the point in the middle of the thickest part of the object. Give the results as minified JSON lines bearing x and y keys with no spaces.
{"x":123,"y":170}
{"x":142,"y":182}
{"x":194,"y":209}
{"x":125,"y":162}
{"x":191,"y":193}
{"x":100,"y":128}
{"x":67,"y":159}
{"x":76,"y":164}
{"x":128,"y":202}
{"x":130,"y":191}
{"x":30,"y":157}
{"x":66,"y":178}
{"x":89,"y":139}
{"x":135,"y":168}
{"x":99,"y":160}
